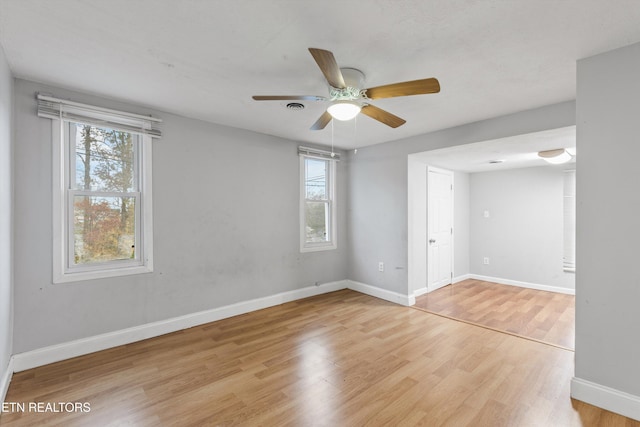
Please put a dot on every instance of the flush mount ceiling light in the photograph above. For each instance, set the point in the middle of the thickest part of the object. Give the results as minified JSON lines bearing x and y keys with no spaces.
{"x":555,"y":157}
{"x":344,"y":110}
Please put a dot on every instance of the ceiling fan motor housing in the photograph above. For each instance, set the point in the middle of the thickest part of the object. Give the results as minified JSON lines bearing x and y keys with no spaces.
{"x":353,"y":77}
{"x":354,"y":81}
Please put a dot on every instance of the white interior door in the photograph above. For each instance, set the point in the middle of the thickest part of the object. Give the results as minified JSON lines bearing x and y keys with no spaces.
{"x":439,"y":228}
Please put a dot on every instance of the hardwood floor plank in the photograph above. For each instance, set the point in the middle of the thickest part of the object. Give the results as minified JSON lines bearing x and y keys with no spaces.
{"x":337,"y":359}
{"x":543,"y":316}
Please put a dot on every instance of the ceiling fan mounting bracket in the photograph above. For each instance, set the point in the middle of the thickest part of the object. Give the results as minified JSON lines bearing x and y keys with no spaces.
{"x":353,"y":77}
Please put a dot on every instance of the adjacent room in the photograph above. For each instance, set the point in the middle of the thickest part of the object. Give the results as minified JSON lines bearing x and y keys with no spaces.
{"x":218,"y":212}
{"x":508,"y":219}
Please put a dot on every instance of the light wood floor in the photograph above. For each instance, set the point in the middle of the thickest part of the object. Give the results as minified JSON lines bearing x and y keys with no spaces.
{"x":545,"y":316}
{"x":340,"y":359}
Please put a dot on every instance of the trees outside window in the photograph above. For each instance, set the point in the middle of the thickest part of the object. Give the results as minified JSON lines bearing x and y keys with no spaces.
{"x":104,"y":194}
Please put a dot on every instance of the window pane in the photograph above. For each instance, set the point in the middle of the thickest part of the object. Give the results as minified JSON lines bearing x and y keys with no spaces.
{"x":316,"y":179}
{"x":104,"y":229}
{"x":103,"y":158}
{"x":317,"y":222}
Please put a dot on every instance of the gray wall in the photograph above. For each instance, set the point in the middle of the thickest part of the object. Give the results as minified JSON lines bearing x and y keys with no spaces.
{"x":226,"y":228}
{"x":6,"y":216}
{"x":523,"y":236}
{"x":378,"y":190}
{"x":608,"y":202}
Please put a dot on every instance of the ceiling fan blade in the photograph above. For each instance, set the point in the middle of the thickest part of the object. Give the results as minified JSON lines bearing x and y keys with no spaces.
{"x":329,"y":67}
{"x":288,"y":98}
{"x":323,"y":121}
{"x":414,"y":87}
{"x":382,"y":116}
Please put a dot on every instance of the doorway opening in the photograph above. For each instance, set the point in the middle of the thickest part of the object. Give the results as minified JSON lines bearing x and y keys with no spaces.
{"x":509,"y":216}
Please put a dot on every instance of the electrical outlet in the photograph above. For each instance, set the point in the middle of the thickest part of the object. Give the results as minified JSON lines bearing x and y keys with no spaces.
{"x":381,"y":266}
{"x":486,"y":261}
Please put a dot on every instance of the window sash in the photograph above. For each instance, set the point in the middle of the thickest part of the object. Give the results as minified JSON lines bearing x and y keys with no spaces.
{"x":72,"y":161}
{"x":71,"y":265}
{"x":72,"y":193}
{"x":328,"y":223}
{"x":326,"y":191}
{"x":329,"y":200}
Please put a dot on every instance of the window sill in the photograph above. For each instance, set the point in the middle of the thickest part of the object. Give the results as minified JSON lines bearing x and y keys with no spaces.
{"x":100,"y":274}
{"x":318,"y":248}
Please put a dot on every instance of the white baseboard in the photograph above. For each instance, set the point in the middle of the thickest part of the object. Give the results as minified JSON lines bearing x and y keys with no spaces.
{"x":523,"y":284}
{"x":435,"y":288}
{"x":382,"y":293}
{"x":56,"y":353}
{"x":5,"y":379}
{"x":420,"y":291}
{"x":426,"y":290}
{"x":607,"y":398}
{"x":461,"y":278}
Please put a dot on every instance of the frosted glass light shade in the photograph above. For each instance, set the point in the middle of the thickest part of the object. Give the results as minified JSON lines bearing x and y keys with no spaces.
{"x":555,"y":157}
{"x":344,"y":110}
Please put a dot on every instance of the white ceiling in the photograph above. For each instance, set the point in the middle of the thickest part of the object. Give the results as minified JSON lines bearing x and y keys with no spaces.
{"x":520,"y":151}
{"x":205,"y":59}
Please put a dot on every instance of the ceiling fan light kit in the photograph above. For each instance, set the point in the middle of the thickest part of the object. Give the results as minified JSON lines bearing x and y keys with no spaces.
{"x":555,"y":157}
{"x":347,"y":96}
{"x":344,"y":110}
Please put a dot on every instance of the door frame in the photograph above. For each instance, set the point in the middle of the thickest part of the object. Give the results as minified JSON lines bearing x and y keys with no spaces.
{"x":417,"y":243}
{"x":452,"y":200}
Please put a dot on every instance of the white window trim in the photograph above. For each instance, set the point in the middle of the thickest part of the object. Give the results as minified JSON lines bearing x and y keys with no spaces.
{"x":333,"y":226}
{"x":61,"y":200}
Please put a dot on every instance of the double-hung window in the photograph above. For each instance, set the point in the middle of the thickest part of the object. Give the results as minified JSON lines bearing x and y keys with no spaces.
{"x":317,"y":200}
{"x":102,"y":191}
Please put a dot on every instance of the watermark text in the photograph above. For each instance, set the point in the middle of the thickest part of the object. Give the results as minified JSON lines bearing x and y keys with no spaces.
{"x":45,"y":407}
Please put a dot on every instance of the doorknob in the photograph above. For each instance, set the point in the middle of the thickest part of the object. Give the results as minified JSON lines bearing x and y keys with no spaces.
{"x":432,"y":240}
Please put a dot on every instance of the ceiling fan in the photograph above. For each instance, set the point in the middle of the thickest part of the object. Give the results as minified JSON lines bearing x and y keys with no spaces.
{"x":348,"y":97}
